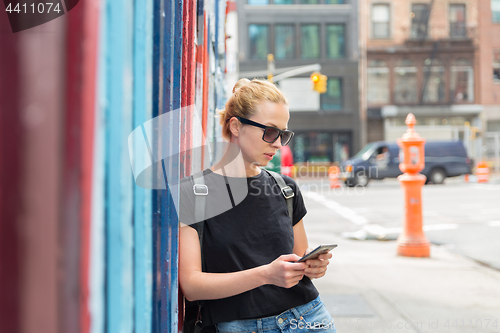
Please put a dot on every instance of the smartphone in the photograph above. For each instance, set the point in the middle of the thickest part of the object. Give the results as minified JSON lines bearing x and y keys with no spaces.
{"x":314,"y":254}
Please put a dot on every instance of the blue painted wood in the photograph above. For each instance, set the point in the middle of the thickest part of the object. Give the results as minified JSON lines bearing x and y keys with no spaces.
{"x":143,"y":270}
{"x":97,"y":299}
{"x":167,"y":60}
{"x":157,"y":63}
{"x":169,"y":221}
{"x":118,"y":34}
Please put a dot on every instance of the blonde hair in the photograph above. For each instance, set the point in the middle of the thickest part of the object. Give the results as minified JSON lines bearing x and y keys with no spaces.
{"x":245,"y":98}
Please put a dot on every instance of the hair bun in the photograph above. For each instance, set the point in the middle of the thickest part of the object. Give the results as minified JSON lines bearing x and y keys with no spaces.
{"x":240,"y":83}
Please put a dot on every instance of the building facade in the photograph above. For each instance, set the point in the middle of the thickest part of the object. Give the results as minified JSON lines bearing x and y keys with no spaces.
{"x":489,"y":78}
{"x":300,"y":33}
{"x":421,"y":57}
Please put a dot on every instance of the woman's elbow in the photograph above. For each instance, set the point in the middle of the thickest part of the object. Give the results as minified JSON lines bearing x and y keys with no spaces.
{"x":189,"y":293}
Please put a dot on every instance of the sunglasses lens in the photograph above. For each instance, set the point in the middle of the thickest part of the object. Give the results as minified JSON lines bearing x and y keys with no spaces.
{"x":271,"y":134}
{"x":286,"y":137}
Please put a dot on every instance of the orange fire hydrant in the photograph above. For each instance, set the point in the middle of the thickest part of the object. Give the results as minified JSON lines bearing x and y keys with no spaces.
{"x":334,"y":176}
{"x":412,"y":242}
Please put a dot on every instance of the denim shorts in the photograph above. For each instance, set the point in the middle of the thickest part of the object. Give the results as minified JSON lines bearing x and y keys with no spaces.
{"x":310,"y":317}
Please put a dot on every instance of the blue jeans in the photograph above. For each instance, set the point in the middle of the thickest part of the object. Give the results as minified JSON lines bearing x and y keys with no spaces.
{"x":310,"y":317}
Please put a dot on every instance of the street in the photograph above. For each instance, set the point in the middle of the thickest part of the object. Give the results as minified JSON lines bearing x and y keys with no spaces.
{"x":464,"y":217}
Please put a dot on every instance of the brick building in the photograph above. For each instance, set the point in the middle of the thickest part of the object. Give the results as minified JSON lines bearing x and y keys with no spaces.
{"x":488,"y":59}
{"x":420,"y":57}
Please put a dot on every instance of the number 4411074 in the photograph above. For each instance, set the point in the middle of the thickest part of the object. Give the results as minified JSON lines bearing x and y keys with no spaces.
{"x":41,"y":8}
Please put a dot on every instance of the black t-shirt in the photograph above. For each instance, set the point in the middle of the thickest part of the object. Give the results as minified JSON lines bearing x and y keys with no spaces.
{"x":255,"y":232}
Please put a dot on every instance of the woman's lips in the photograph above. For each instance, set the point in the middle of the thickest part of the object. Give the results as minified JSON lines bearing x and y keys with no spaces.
{"x":269,"y":156}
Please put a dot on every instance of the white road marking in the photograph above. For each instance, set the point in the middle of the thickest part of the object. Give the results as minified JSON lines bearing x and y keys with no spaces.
{"x":344,"y":211}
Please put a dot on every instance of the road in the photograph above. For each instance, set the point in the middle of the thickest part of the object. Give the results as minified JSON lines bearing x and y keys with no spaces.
{"x":464,"y":217}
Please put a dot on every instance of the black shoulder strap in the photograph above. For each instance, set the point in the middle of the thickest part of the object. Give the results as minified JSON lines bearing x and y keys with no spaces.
{"x":286,"y":190}
{"x":200,"y":190}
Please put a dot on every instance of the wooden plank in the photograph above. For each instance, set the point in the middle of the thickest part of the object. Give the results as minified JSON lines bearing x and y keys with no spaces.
{"x":143,"y":274}
{"x":169,"y":221}
{"x":119,"y":185}
{"x":11,"y":143}
{"x":42,"y":108}
{"x":88,"y":101}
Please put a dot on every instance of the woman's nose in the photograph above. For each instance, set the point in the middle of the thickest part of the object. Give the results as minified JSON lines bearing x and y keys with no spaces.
{"x":277,"y":143}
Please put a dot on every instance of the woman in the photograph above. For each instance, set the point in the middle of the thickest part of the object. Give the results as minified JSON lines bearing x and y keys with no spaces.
{"x":252,"y":282}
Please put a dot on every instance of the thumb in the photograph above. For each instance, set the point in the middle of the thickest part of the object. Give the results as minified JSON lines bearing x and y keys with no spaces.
{"x":290,"y":257}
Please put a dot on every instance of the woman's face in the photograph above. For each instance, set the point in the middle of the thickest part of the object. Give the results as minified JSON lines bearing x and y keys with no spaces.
{"x":255,"y":151}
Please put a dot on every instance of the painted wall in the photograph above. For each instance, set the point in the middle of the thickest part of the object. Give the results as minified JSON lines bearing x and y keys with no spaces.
{"x":83,"y":248}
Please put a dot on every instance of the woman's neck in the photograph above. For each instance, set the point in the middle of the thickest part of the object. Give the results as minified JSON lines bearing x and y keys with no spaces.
{"x":232,"y":164}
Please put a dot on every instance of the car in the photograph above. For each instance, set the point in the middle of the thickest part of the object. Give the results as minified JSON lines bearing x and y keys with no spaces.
{"x":379,"y":160}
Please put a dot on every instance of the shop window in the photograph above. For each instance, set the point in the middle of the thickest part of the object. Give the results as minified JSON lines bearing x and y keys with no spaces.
{"x":405,"y":82}
{"x":332,"y":99}
{"x":283,"y":2}
{"x":462,"y":81}
{"x":378,"y":82}
{"x":419,"y":20}
{"x":457,"y":21}
{"x":284,"y":37}
{"x":258,"y":35}
{"x":335,"y":41}
{"x":309,"y":41}
{"x":381,"y":21}
{"x":434,"y":80}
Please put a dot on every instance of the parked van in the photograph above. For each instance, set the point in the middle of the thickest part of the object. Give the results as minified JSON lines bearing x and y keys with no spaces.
{"x":379,"y":160}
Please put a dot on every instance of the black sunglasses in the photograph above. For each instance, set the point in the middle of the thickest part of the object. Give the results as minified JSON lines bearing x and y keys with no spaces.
{"x":271,"y":134}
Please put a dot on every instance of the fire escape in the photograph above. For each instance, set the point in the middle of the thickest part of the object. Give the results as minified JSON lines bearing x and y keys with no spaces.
{"x":422,"y":31}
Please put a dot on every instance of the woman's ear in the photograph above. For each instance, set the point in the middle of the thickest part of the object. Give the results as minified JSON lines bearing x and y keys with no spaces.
{"x":234,"y":126}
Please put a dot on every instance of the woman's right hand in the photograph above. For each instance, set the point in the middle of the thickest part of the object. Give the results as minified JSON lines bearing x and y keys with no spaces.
{"x":285,"y":271}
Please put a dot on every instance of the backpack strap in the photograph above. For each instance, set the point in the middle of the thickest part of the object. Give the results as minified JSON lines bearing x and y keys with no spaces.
{"x":200,"y":190}
{"x":286,"y":190}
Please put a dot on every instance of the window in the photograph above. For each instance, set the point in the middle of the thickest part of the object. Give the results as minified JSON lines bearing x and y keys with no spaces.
{"x":434,"y":75}
{"x":335,"y":41}
{"x":380,"y":21}
{"x":332,"y":99}
{"x":283,"y":2}
{"x":496,"y":66}
{"x":258,"y":2}
{"x":462,"y":81}
{"x":259,"y":41}
{"x":309,"y":41}
{"x":419,"y":20}
{"x":405,"y":82}
{"x":495,"y":11}
{"x":313,"y":147}
{"x":284,"y":41}
{"x":377,"y":82}
{"x":457,"y":21}
{"x":327,"y":2}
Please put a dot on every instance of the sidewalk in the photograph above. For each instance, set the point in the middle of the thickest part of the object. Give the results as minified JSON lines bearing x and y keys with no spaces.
{"x":368,"y":288}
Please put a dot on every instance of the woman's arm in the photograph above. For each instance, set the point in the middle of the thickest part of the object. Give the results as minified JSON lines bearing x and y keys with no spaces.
{"x":315,"y":268}
{"x":197,"y":285}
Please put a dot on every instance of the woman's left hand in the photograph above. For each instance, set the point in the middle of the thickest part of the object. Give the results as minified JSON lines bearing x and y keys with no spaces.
{"x":316,"y":268}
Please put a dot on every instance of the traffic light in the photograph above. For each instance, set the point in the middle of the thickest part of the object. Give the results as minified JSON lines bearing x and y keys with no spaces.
{"x":319,"y":82}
